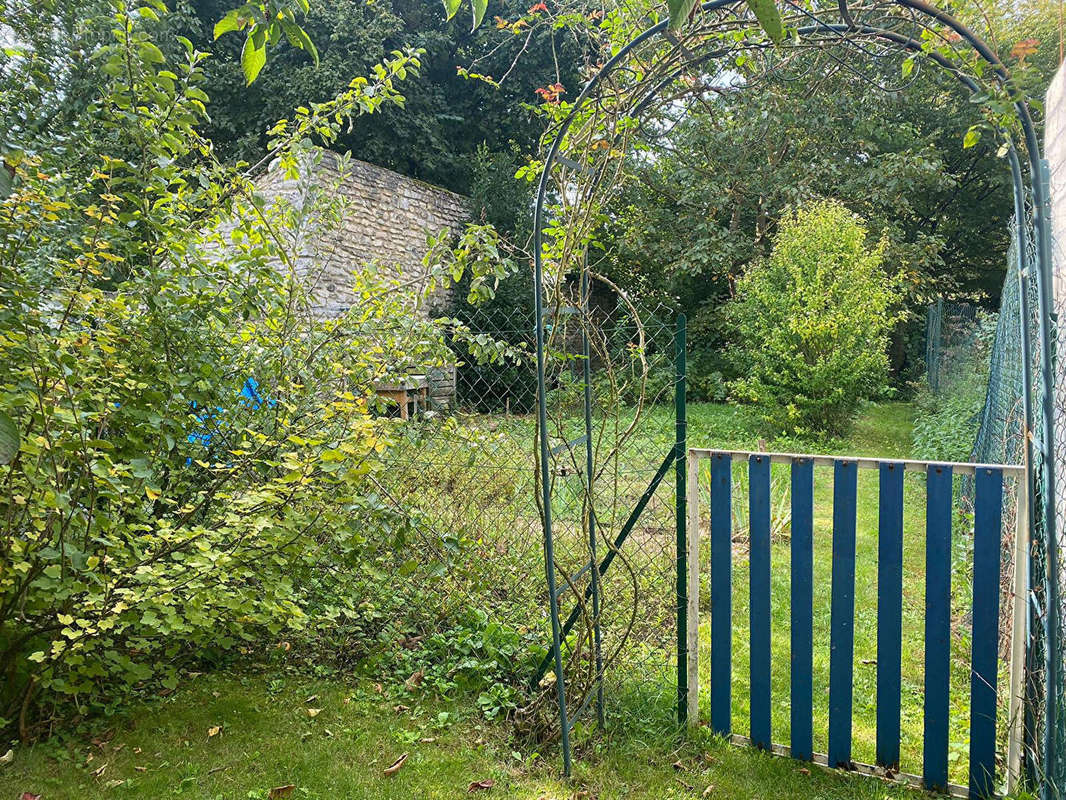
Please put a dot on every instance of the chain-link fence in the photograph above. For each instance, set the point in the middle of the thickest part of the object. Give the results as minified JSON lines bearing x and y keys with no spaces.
{"x":964,"y":351}
{"x":461,"y":484}
{"x":968,"y":350}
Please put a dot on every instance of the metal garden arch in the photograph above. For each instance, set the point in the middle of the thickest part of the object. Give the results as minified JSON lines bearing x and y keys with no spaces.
{"x":845,"y":24}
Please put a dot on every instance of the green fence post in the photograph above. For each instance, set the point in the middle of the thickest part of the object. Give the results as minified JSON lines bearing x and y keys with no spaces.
{"x":680,"y":465}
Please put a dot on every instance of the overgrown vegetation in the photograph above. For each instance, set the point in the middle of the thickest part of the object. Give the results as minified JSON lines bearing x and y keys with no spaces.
{"x":198,"y":471}
{"x":948,"y":417}
{"x":193,"y":443}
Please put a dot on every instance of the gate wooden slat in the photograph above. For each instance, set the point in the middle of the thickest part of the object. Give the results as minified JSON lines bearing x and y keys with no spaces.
{"x":802,"y":627}
{"x":721,"y":593}
{"x":988,"y":513}
{"x":940,"y":510}
{"x":889,"y":612}
{"x":759,"y":598}
{"x":842,"y":613}
{"x":937,"y":626}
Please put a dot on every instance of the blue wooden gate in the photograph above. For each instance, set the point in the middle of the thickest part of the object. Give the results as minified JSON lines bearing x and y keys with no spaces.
{"x":991,"y":484}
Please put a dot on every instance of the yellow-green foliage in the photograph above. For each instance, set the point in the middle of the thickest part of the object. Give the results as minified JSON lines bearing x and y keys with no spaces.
{"x":150,"y":515}
{"x":812,"y":322}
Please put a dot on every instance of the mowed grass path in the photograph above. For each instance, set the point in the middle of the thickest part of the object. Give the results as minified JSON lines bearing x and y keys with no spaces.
{"x":268,"y":739}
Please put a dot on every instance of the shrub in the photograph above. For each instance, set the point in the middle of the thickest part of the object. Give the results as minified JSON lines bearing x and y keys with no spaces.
{"x":192,"y":447}
{"x":812,"y":323}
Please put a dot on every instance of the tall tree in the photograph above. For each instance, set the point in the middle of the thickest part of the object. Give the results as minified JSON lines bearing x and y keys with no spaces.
{"x":447,"y":115}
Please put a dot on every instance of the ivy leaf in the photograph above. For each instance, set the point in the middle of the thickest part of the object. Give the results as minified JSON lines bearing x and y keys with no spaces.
{"x":973,"y":136}
{"x":769,"y":17}
{"x":679,"y":11}
{"x":451,"y":7}
{"x":479,"y":8}
{"x":9,"y":439}
{"x":252,"y":60}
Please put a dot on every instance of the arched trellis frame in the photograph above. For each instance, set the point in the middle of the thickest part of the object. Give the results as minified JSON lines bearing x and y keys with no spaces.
{"x":911,"y":27}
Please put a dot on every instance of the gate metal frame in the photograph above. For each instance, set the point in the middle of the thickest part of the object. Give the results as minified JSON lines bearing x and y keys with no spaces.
{"x":1042,"y":520}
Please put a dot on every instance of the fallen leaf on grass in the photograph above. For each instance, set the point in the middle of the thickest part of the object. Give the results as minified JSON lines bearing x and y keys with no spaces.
{"x":314,"y":712}
{"x":141,"y":769}
{"x":415,"y":680}
{"x":7,"y":757}
{"x":311,"y":699}
{"x":281,"y":791}
{"x":708,"y":790}
{"x":114,"y":784}
{"x":679,"y":766}
{"x":96,"y":773}
{"x":477,"y":786}
{"x":803,"y":771}
{"x":394,"y":767}
{"x":399,"y":709}
{"x":214,"y":730}
{"x":29,"y":796}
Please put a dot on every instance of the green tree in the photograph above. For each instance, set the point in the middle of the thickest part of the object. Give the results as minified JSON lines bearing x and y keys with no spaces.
{"x":812,"y":323}
{"x":446,"y":116}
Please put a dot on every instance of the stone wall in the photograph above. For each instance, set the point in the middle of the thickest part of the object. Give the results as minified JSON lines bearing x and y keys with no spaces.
{"x":387,"y":218}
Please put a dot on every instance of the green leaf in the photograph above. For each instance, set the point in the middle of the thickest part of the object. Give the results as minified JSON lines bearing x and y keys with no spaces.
{"x":298,"y":37}
{"x":151,"y":54}
{"x":679,"y":11}
{"x":908,"y":67}
{"x":451,"y":7}
{"x":252,"y":60}
{"x":769,"y":17}
{"x":9,"y":438}
{"x":230,"y":22}
{"x":479,"y":8}
{"x":973,"y":136}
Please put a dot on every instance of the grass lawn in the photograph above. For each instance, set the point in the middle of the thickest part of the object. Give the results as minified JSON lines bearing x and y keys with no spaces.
{"x":269,"y":739}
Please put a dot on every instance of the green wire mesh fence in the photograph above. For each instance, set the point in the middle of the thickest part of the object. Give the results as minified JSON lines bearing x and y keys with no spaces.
{"x":968,"y":350}
{"x":459,"y":484}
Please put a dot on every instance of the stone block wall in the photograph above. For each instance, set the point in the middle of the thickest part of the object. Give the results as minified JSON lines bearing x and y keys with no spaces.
{"x":387,"y":218}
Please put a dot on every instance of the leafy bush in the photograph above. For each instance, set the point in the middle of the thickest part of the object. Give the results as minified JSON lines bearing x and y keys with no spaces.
{"x":812,"y":323}
{"x":193,"y":445}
